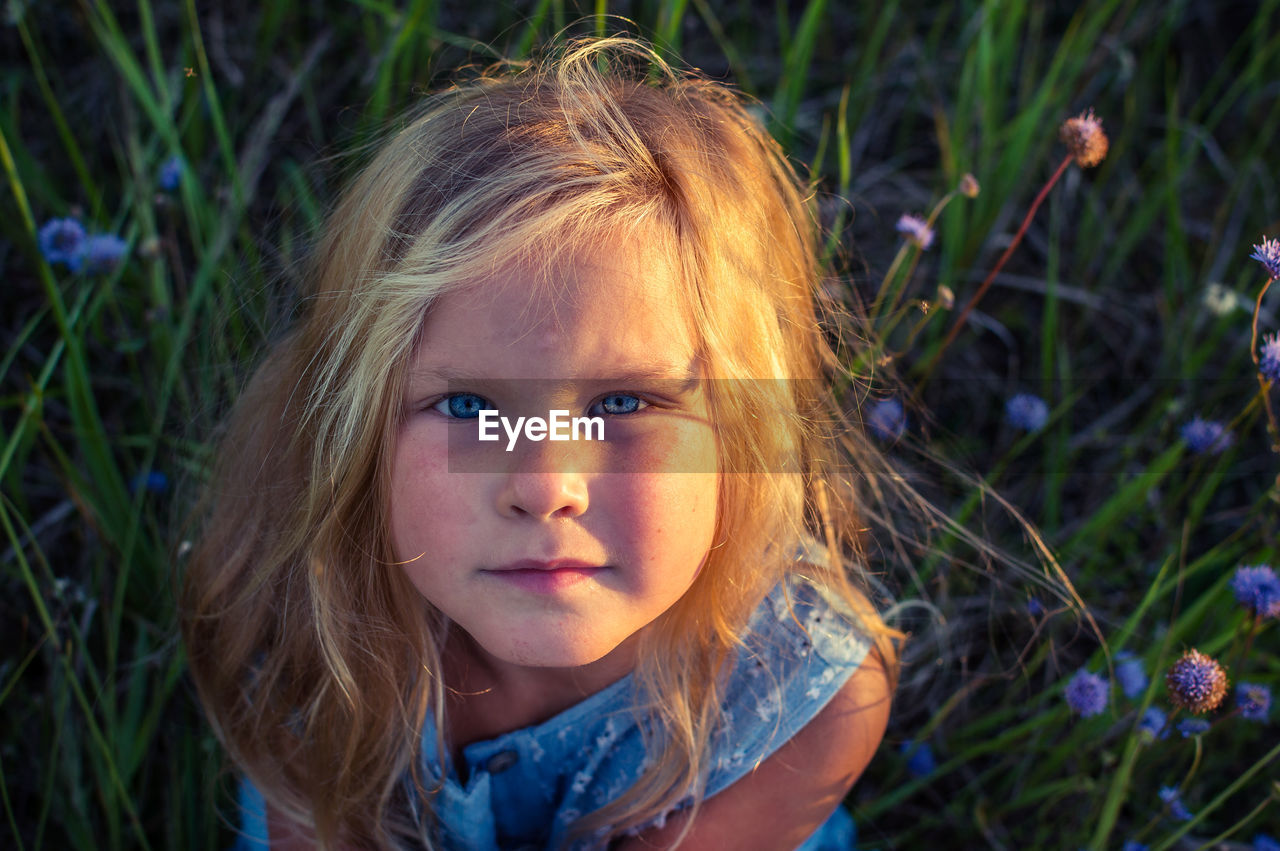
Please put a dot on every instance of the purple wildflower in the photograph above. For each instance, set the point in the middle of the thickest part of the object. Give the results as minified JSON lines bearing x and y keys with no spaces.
{"x":60,"y":239}
{"x":1268,"y":254}
{"x":1131,"y":675}
{"x":98,"y":254}
{"x":1152,"y":724}
{"x":1209,"y":436}
{"x":887,"y":420}
{"x":171,"y":173}
{"x":1269,"y":357}
{"x":1173,"y":800}
{"x":1254,"y":701}
{"x":1087,"y":694}
{"x":1257,"y":588}
{"x":153,"y":481}
{"x":916,"y":230}
{"x":1262,"y":842}
{"x":920,"y":760}
{"x":1133,"y":845}
{"x":1034,"y":607}
{"x":1193,"y":727}
{"x":1196,"y":683}
{"x":1026,"y":411}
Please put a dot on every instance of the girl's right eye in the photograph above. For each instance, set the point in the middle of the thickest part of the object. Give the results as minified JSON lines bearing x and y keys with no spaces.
{"x":462,"y":406}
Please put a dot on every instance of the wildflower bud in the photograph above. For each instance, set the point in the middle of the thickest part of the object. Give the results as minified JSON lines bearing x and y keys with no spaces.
{"x":969,"y":186}
{"x":1196,"y":683}
{"x":1173,"y":801}
{"x":1268,"y":254}
{"x":946,"y":298}
{"x":1026,"y":411}
{"x":1254,"y":701}
{"x":1193,"y":727}
{"x":1269,"y":357}
{"x":1152,"y":724}
{"x":887,"y":419}
{"x":1131,"y":675}
{"x":1084,"y":139}
{"x":1220,"y":300}
{"x":916,"y":230}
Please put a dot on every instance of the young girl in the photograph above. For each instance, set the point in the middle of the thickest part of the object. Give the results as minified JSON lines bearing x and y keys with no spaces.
{"x":408,"y":633}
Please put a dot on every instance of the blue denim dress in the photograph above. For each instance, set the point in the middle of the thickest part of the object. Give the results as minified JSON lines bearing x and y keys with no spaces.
{"x":524,"y":789}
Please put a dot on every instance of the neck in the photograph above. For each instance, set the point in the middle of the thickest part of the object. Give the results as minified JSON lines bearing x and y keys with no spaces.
{"x":488,"y":696}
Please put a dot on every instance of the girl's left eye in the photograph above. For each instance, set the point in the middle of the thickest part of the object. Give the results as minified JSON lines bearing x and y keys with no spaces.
{"x":618,"y":403}
{"x":462,"y":406}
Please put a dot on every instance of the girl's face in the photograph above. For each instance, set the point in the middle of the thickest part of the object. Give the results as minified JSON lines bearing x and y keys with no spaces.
{"x":554,"y":553}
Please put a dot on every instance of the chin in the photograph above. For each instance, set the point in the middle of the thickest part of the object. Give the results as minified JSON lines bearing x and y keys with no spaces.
{"x":557,"y":653}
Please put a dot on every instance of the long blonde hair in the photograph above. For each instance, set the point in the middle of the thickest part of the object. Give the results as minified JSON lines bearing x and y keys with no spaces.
{"x":316,"y":659}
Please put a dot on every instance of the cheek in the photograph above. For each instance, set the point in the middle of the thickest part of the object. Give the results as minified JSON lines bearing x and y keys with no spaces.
{"x":669,"y":518}
{"x":430,"y":508}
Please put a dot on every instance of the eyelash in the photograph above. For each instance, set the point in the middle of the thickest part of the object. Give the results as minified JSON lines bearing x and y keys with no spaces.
{"x":487,"y":405}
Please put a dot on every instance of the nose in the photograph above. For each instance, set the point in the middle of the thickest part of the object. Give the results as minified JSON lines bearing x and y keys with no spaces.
{"x":543,"y":486}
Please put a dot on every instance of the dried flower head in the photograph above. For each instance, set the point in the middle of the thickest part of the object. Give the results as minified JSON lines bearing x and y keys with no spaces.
{"x":1254,"y":700}
{"x":916,"y":230}
{"x":1196,"y":683}
{"x":1084,"y":139}
{"x":1087,"y":694}
{"x":1257,"y":588}
{"x":1269,"y":357}
{"x":1206,"y":436}
{"x":969,"y":187}
{"x":1268,"y":254}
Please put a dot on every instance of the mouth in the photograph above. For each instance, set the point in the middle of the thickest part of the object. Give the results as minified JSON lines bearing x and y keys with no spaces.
{"x":545,"y":577}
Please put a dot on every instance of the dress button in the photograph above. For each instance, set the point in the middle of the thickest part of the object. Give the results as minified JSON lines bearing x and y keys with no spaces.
{"x":500,"y":762}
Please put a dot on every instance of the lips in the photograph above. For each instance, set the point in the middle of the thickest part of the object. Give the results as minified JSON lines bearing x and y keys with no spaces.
{"x":545,"y":577}
{"x":554,"y":564}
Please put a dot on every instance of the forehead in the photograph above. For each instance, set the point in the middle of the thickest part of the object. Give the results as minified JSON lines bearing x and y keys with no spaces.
{"x":594,"y":313}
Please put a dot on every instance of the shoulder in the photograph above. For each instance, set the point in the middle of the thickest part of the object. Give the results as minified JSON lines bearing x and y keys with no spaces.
{"x":802,"y":648}
{"x":805,"y":778}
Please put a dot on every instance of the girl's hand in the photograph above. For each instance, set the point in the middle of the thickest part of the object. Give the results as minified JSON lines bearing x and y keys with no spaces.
{"x":779,"y":805}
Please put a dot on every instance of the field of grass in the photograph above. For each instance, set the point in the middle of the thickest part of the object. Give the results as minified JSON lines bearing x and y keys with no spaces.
{"x":203,"y":139}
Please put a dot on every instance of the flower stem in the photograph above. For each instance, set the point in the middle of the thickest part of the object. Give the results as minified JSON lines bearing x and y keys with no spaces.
{"x":1273,"y":430}
{"x":995,"y":270}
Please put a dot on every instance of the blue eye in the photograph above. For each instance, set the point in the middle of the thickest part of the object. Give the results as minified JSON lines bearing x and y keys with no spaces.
{"x":619,"y":403}
{"x":462,"y":406}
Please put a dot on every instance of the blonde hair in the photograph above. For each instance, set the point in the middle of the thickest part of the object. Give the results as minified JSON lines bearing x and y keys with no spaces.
{"x":315,"y":657}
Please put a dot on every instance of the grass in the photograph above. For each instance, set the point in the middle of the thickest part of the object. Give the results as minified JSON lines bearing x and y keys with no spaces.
{"x":1101,"y":310}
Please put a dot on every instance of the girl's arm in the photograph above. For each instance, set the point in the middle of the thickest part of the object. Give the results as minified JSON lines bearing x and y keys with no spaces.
{"x":781,"y":803}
